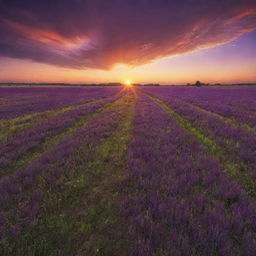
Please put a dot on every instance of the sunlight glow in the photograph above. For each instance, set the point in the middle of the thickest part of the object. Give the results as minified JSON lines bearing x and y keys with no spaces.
{"x":128,"y":83}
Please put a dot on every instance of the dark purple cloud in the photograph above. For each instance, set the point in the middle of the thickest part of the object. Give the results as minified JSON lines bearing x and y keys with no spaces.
{"x":101,"y":33}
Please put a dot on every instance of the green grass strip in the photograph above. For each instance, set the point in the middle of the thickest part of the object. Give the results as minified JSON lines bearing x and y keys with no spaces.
{"x":10,"y":127}
{"x":233,"y":169}
{"x":50,"y":143}
{"x":231,"y":121}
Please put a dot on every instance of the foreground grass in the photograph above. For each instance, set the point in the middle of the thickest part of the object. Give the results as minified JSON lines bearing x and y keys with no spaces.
{"x":82,"y":214}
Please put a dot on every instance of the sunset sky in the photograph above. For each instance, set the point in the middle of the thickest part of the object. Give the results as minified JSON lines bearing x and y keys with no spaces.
{"x":160,"y":41}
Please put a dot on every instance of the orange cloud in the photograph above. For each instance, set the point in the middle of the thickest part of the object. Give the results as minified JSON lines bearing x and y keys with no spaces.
{"x":101,"y":34}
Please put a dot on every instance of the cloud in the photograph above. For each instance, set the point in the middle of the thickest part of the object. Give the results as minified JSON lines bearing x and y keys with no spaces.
{"x":102,"y":33}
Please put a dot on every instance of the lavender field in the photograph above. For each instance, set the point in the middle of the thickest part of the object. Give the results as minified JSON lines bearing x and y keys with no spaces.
{"x":140,"y":171}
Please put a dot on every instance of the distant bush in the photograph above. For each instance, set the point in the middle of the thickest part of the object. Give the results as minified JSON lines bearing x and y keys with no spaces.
{"x":198,"y":83}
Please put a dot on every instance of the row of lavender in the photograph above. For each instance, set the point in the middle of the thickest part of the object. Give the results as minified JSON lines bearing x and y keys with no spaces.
{"x":30,"y":139}
{"x":241,"y":116}
{"x":178,"y":199}
{"x":234,"y":103}
{"x":25,"y":196}
{"x":238,"y":143}
{"x":15,"y":102}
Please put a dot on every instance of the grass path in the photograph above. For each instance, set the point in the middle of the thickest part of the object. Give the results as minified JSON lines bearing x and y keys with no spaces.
{"x":103,"y":226}
{"x":233,"y":169}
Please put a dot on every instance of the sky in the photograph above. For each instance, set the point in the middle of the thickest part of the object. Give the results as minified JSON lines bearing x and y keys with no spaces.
{"x":145,"y":41}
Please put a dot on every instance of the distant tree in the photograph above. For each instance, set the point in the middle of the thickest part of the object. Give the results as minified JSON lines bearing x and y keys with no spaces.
{"x":198,"y":83}
{"x":151,"y":84}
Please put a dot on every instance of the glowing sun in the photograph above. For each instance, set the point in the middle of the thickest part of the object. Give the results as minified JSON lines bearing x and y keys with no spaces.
{"x":128,"y":83}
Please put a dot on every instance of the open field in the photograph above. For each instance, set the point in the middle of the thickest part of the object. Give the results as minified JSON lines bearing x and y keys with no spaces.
{"x":149,"y":171}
